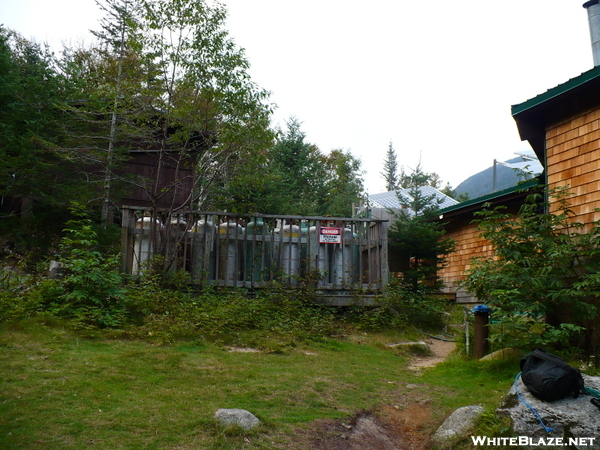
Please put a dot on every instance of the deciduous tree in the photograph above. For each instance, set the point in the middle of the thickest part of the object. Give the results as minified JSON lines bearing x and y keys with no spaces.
{"x":344,"y":185}
{"x":166,"y":78}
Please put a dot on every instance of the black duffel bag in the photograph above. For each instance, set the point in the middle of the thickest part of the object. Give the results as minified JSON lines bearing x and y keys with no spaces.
{"x":549,"y":378}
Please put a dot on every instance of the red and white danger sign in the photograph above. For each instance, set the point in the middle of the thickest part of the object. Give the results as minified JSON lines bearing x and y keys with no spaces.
{"x":330,"y":235}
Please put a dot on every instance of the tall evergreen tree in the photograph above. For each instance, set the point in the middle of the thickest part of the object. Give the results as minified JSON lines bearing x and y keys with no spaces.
{"x":300,"y":180}
{"x":299,"y":184}
{"x":419,"y":241}
{"x":390,"y":169}
{"x":34,"y":168}
{"x":39,"y":175}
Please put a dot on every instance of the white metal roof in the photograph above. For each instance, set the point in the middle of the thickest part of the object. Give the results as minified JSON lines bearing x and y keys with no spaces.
{"x":391,"y":200}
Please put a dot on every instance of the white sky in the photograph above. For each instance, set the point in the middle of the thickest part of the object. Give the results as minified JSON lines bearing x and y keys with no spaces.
{"x":435,"y":77}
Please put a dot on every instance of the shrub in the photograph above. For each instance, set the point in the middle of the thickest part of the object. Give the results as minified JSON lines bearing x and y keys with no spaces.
{"x":16,"y":301}
{"x":91,"y":291}
{"x":401,"y":306}
{"x":543,"y":280}
{"x":229,"y":316}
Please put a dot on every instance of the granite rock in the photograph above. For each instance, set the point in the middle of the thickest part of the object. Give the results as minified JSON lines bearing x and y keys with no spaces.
{"x":239,"y":417}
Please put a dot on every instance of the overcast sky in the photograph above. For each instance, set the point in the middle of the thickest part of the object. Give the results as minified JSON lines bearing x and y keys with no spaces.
{"x":437,"y":77}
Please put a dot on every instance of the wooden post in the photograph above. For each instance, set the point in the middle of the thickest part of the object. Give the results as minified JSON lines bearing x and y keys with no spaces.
{"x":481,"y":330}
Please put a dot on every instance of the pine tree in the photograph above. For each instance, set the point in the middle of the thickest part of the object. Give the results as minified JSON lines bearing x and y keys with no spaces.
{"x":33,"y":166}
{"x":418,"y":240}
{"x":390,"y":169}
{"x":300,"y":177}
{"x":417,"y":201}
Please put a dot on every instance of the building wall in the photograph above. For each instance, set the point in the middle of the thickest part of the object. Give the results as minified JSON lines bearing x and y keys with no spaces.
{"x":174,"y":186}
{"x":573,"y":160}
{"x":469,"y":244}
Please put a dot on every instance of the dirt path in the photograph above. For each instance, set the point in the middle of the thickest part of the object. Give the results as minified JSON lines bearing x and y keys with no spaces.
{"x":440,"y":351}
{"x":404,"y":426}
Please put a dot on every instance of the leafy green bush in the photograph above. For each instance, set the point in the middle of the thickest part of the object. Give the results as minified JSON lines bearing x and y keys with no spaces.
{"x":233,"y":317}
{"x":16,"y":300}
{"x":401,"y":306}
{"x":90,"y":293}
{"x":544,"y":279}
{"x":164,"y":307}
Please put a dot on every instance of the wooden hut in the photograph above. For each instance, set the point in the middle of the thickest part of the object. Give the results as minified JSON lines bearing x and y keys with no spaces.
{"x":163,"y":179}
{"x":562,"y":125}
{"x":459,"y":225}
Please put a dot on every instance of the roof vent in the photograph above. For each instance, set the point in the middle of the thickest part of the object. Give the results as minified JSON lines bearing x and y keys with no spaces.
{"x":593,"y":10}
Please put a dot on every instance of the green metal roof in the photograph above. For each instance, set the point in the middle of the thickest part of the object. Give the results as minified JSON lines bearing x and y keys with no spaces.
{"x":534,"y":114}
{"x":486,"y":198}
{"x":556,"y":91}
{"x":554,"y":106}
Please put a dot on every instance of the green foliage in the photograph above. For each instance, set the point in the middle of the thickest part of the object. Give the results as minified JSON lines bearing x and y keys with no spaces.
{"x":37,"y":177}
{"x":419,"y":203}
{"x":408,"y":180}
{"x":166,"y":76}
{"x":344,"y":184}
{"x":299,"y":179}
{"x":390,"y":169}
{"x":542,"y":282}
{"x":16,"y":302}
{"x":400,"y":307}
{"x":418,"y":240}
{"x":270,"y":319}
{"x":90,"y":293}
{"x":423,"y":249}
{"x":31,"y":165}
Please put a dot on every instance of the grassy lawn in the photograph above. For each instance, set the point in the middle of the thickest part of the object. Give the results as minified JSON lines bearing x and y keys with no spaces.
{"x":61,"y":391}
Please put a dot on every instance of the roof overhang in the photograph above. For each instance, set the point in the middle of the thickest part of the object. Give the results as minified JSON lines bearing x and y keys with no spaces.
{"x":497,"y":198}
{"x":566,"y":100}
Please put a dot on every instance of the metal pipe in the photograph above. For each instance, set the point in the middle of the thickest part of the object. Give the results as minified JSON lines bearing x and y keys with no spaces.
{"x":593,"y":11}
{"x":466,"y":311}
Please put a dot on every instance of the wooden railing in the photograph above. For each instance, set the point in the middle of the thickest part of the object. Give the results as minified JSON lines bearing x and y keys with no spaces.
{"x":335,"y":255}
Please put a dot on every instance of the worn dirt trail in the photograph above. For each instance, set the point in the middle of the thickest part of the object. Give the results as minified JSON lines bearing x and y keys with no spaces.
{"x":404,"y":425}
{"x":440,"y":351}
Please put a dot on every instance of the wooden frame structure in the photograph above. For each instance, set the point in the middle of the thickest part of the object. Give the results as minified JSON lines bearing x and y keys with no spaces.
{"x":344,"y":260}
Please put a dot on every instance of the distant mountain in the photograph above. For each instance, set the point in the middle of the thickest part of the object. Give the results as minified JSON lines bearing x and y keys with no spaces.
{"x":481,"y":183}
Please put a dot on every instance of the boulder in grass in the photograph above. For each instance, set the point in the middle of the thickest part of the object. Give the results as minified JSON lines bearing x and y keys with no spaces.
{"x":457,"y":425}
{"x":569,"y":417}
{"x":236,"y":417}
{"x":503,"y":353}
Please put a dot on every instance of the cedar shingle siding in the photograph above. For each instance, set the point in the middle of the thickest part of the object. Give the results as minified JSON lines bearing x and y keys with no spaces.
{"x":563,"y":127}
{"x":573,"y":160}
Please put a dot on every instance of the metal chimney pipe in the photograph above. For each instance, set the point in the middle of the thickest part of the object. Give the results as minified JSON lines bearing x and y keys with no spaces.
{"x":593,"y":10}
